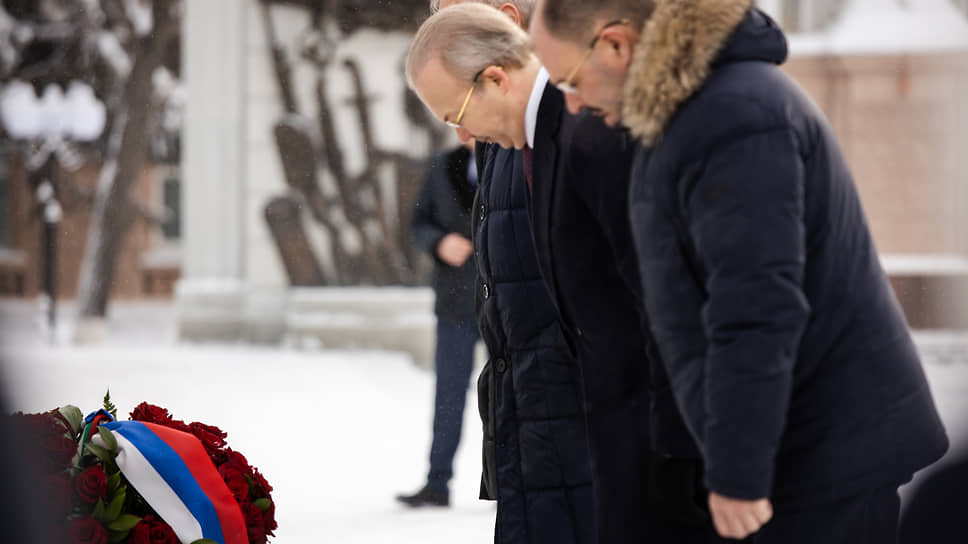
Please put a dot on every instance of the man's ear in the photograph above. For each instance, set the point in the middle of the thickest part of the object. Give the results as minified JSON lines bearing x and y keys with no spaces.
{"x":497,"y":76}
{"x":511,"y":11}
{"x":619,"y":45}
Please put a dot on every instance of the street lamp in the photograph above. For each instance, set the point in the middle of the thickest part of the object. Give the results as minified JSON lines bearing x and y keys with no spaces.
{"x":48,"y":125}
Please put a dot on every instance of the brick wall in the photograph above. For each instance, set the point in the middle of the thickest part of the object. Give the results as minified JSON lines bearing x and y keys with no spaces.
{"x":903,"y":124}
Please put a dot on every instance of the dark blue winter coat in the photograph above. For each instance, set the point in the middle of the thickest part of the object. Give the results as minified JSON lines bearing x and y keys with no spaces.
{"x":579,"y":205}
{"x":786,"y":348}
{"x":535,"y":454}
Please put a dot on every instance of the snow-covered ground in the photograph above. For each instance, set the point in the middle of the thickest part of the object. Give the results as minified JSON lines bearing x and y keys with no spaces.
{"x":337,"y":433}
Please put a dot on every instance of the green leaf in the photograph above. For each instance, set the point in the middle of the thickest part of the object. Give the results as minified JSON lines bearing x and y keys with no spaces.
{"x":124,"y":523}
{"x":114,"y":482}
{"x":262,"y":504}
{"x":99,"y":511}
{"x":114,"y":509}
{"x":105,"y":456}
{"x":118,"y":536}
{"x":109,"y":440}
{"x":109,"y":406}
{"x":74,"y":416}
{"x":101,"y":453}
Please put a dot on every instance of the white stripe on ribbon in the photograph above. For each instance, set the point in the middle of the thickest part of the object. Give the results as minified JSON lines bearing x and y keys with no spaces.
{"x":156,"y":491}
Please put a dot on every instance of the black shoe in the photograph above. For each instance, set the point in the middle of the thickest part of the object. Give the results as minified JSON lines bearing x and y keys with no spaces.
{"x":425,"y":497}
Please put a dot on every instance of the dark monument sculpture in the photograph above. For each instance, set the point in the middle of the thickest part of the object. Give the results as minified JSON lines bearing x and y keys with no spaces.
{"x":368,"y":242}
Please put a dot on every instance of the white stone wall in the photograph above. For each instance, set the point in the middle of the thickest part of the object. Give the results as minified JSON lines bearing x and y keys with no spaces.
{"x":234,"y":284}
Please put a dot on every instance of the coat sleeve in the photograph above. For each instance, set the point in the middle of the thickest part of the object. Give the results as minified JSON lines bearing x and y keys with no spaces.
{"x":744,"y":209}
{"x":425,"y":230}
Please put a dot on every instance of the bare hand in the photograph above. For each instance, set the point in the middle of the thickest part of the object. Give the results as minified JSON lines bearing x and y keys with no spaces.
{"x":454,"y":249}
{"x":735,"y":518}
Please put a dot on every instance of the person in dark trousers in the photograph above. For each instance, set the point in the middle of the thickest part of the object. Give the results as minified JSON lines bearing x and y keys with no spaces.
{"x":441,"y":226}
{"x":786,"y":349}
{"x":536,"y":462}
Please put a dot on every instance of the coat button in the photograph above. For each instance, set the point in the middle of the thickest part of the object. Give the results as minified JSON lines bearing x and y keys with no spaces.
{"x":578,"y":331}
{"x":482,"y":212}
{"x":485,"y":292}
{"x":500,"y":365}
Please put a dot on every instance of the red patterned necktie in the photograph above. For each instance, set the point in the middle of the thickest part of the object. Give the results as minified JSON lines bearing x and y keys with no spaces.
{"x":526,"y":155}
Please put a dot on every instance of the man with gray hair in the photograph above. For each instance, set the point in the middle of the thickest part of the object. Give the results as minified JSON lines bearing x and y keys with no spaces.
{"x":584,"y":252}
{"x":536,"y":461}
{"x":519,"y":10}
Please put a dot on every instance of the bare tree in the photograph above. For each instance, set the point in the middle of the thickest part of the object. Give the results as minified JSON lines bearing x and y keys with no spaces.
{"x":116,"y":47}
{"x":127,"y":149}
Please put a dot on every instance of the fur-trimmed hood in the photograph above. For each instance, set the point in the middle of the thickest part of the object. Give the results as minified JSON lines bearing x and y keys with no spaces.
{"x":679,"y":46}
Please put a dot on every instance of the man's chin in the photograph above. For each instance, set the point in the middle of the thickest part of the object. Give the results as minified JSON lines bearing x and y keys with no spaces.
{"x":612,"y":119}
{"x":609,"y":117}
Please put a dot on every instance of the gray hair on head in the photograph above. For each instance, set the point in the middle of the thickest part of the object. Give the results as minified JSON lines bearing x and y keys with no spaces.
{"x":525,"y":7}
{"x":468,"y":38}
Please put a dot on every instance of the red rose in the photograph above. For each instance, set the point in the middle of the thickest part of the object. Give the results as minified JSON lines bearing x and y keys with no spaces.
{"x":58,"y":492}
{"x":254,"y":523}
{"x":52,"y":447}
{"x":60,"y":451}
{"x":87,"y":530}
{"x":152,"y":531}
{"x":237,"y":460}
{"x":219,"y":457}
{"x":178,"y":425}
{"x":269,"y":519}
{"x":91,"y":484}
{"x":151,"y":414}
{"x":260,"y":483}
{"x":235,"y":481}
{"x":211,"y":437}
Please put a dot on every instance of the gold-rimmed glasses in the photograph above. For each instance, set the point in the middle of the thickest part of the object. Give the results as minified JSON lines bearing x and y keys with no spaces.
{"x":460,"y":115}
{"x":568,"y":85}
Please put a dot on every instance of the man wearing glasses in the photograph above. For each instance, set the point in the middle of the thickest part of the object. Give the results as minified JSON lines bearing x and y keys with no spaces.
{"x":788,"y":354}
{"x":535,"y":455}
{"x":576,"y":171}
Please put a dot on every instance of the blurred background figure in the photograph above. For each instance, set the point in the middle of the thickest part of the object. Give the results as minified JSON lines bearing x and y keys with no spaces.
{"x":441,"y":226}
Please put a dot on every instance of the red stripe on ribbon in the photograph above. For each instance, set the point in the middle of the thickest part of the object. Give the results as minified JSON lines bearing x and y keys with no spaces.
{"x":190,"y":449}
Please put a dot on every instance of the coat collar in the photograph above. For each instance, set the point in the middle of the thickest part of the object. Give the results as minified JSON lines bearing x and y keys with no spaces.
{"x":545,"y":173}
{"x":673,"y":58}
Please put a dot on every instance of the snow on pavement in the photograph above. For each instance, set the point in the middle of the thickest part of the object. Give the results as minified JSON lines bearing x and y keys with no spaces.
{"x":337,"y":433}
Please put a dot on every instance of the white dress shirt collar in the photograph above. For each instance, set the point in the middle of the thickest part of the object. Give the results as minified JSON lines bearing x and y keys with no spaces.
{"x":531,"y":113}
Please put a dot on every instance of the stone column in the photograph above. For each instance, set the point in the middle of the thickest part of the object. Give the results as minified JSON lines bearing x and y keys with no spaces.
{"x":211,"y":294}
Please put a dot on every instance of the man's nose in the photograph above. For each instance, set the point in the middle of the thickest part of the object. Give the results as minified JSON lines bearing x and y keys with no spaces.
{"x":464,"y":134}
{"x":574,"y":103}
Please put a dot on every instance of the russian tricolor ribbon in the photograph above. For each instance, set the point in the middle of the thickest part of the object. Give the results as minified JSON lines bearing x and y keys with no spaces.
{"x":175,"y":475}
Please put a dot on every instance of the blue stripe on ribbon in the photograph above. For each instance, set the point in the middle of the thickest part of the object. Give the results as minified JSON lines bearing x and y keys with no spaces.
{"x":170,"y":466}
{"x":90,"y":417}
